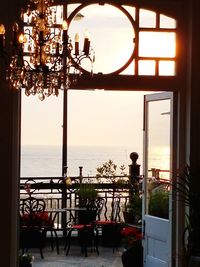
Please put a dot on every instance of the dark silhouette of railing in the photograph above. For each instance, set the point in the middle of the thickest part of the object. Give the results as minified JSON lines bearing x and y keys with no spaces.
{"x":57,"y":194}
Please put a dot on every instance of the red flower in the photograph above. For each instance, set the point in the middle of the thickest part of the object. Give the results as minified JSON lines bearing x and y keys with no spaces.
{"x":38,"y":219}
{"x":130,"y":235}
{"x":138,"y":236}
{"x":129,"y":231}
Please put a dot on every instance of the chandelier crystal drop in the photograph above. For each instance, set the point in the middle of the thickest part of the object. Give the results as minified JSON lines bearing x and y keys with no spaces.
{"x":43,"y":59}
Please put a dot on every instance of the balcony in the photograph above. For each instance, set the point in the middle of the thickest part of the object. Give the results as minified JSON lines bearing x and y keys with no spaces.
{"x":58,"y":194}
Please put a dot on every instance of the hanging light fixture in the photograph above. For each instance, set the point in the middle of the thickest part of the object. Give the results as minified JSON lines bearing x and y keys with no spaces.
{"x":43,"y":59}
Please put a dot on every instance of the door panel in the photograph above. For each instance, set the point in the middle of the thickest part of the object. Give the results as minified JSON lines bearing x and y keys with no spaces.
{"x":157,"y":176}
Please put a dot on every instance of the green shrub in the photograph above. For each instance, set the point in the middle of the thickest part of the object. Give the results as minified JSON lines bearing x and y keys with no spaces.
{"x":135,"y":205}
{"x":159,"y":204}
{"x":87,"y":194}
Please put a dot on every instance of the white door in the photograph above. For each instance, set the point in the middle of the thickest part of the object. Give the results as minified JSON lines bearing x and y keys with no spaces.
{"x":158,"y":111}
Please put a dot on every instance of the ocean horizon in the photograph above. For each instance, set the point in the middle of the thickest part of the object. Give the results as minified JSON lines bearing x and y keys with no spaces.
{"x":39,"y":160}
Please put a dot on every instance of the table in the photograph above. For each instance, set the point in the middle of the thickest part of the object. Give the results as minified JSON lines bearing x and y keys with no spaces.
{"x":54,"y":213}
{"x":74,"y":212}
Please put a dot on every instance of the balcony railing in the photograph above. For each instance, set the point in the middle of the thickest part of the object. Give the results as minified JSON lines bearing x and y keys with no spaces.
{"x":58,"y":195}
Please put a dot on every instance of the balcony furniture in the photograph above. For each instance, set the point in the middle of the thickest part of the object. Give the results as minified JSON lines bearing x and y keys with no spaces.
{"x":34,"y":225}
{"x":111,"y":229}
{"x":83,"y":224}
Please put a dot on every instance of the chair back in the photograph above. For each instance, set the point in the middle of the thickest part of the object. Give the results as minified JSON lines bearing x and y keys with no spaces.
{"x":30,"y":205}
{"x":115,"y":208}
{"x":93,"y":211}
{"x":99,"y":205}
{"x":32,"y":213}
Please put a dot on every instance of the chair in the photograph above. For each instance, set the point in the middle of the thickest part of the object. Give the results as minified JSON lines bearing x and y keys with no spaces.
{"x":111,"y":229}
{"x":87,"y":234}
{"x":34,"y":224}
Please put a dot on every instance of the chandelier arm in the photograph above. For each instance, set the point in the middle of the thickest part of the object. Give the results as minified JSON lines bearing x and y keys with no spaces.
{"x":27,"y":65}
{"x":81,"y":57}
{"x":51,"y":38}
{"x":43,"y":61}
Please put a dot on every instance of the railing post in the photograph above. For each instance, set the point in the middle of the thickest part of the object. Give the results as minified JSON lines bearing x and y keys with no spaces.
{"x":80,"y":174}
{"x":134,"y":172}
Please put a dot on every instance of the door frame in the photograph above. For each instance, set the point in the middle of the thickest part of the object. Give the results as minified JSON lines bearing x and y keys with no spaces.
{"x":173,"y":165}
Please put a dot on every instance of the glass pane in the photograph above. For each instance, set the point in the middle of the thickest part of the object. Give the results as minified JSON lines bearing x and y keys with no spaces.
{"x":41,"y":136}
{"x":158,"y":158}
{"x":131,"y":10}
{"x":167,"y":68}
{"x":130,"y":70}
{"x":146,"y":67}
{"x":111,"y":35}
{"x":157,"y":44}
{"x":147,"y":19}
{"x":167,"y":22}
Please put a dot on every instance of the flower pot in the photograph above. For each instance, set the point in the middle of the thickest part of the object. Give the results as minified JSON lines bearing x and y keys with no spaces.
{"x":133,"y":254}
{"x":129,"y":217}
{"x":86,"y":216}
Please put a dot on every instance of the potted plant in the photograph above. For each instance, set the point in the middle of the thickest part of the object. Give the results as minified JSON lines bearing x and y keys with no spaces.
{"x":132,"y":211}
{"x":132,"y":242}
{"x":87,"y":195}
{"x":108,"y":171}
{"x":25,"y":260}
{"x":191,"y":199}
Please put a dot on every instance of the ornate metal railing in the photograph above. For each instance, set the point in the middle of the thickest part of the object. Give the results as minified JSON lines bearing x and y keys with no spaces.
{"x":58,"y":195}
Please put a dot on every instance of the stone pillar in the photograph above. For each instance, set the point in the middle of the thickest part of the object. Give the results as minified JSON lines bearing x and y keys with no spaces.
{"x":134,"y":171}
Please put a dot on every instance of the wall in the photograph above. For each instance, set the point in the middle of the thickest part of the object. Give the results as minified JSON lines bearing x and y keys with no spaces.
{"x":9,"y":139}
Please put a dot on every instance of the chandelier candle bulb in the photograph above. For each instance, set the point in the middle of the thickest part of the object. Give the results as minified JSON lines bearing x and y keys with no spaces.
{"x":21,"y":38}
{"x":2,"y":37}
{"x":65,"y":34}
{"x":15,"y":31}
{"x":76,"y":44}
{"x":86,"y":46}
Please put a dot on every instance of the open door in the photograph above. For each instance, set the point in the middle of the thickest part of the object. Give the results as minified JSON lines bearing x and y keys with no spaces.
{"x":158,"y":112}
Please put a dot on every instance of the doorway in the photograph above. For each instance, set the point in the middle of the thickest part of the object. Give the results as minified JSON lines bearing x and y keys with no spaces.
{"x":157,"y":200}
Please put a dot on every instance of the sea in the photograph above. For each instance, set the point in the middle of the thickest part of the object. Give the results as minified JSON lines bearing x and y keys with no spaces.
{"x":46,"y":161}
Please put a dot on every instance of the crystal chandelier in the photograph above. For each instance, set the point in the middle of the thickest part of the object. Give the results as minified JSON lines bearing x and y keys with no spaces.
{"x":44,"y":60}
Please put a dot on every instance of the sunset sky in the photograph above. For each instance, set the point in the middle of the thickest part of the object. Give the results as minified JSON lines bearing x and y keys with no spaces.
{"x":100,"y":117}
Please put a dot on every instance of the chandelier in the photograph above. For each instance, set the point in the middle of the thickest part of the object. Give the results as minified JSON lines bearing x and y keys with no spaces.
{"x":44,"y":60}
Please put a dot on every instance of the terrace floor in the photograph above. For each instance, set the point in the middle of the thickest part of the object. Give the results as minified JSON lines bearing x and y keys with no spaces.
{"x":106,"y":258}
